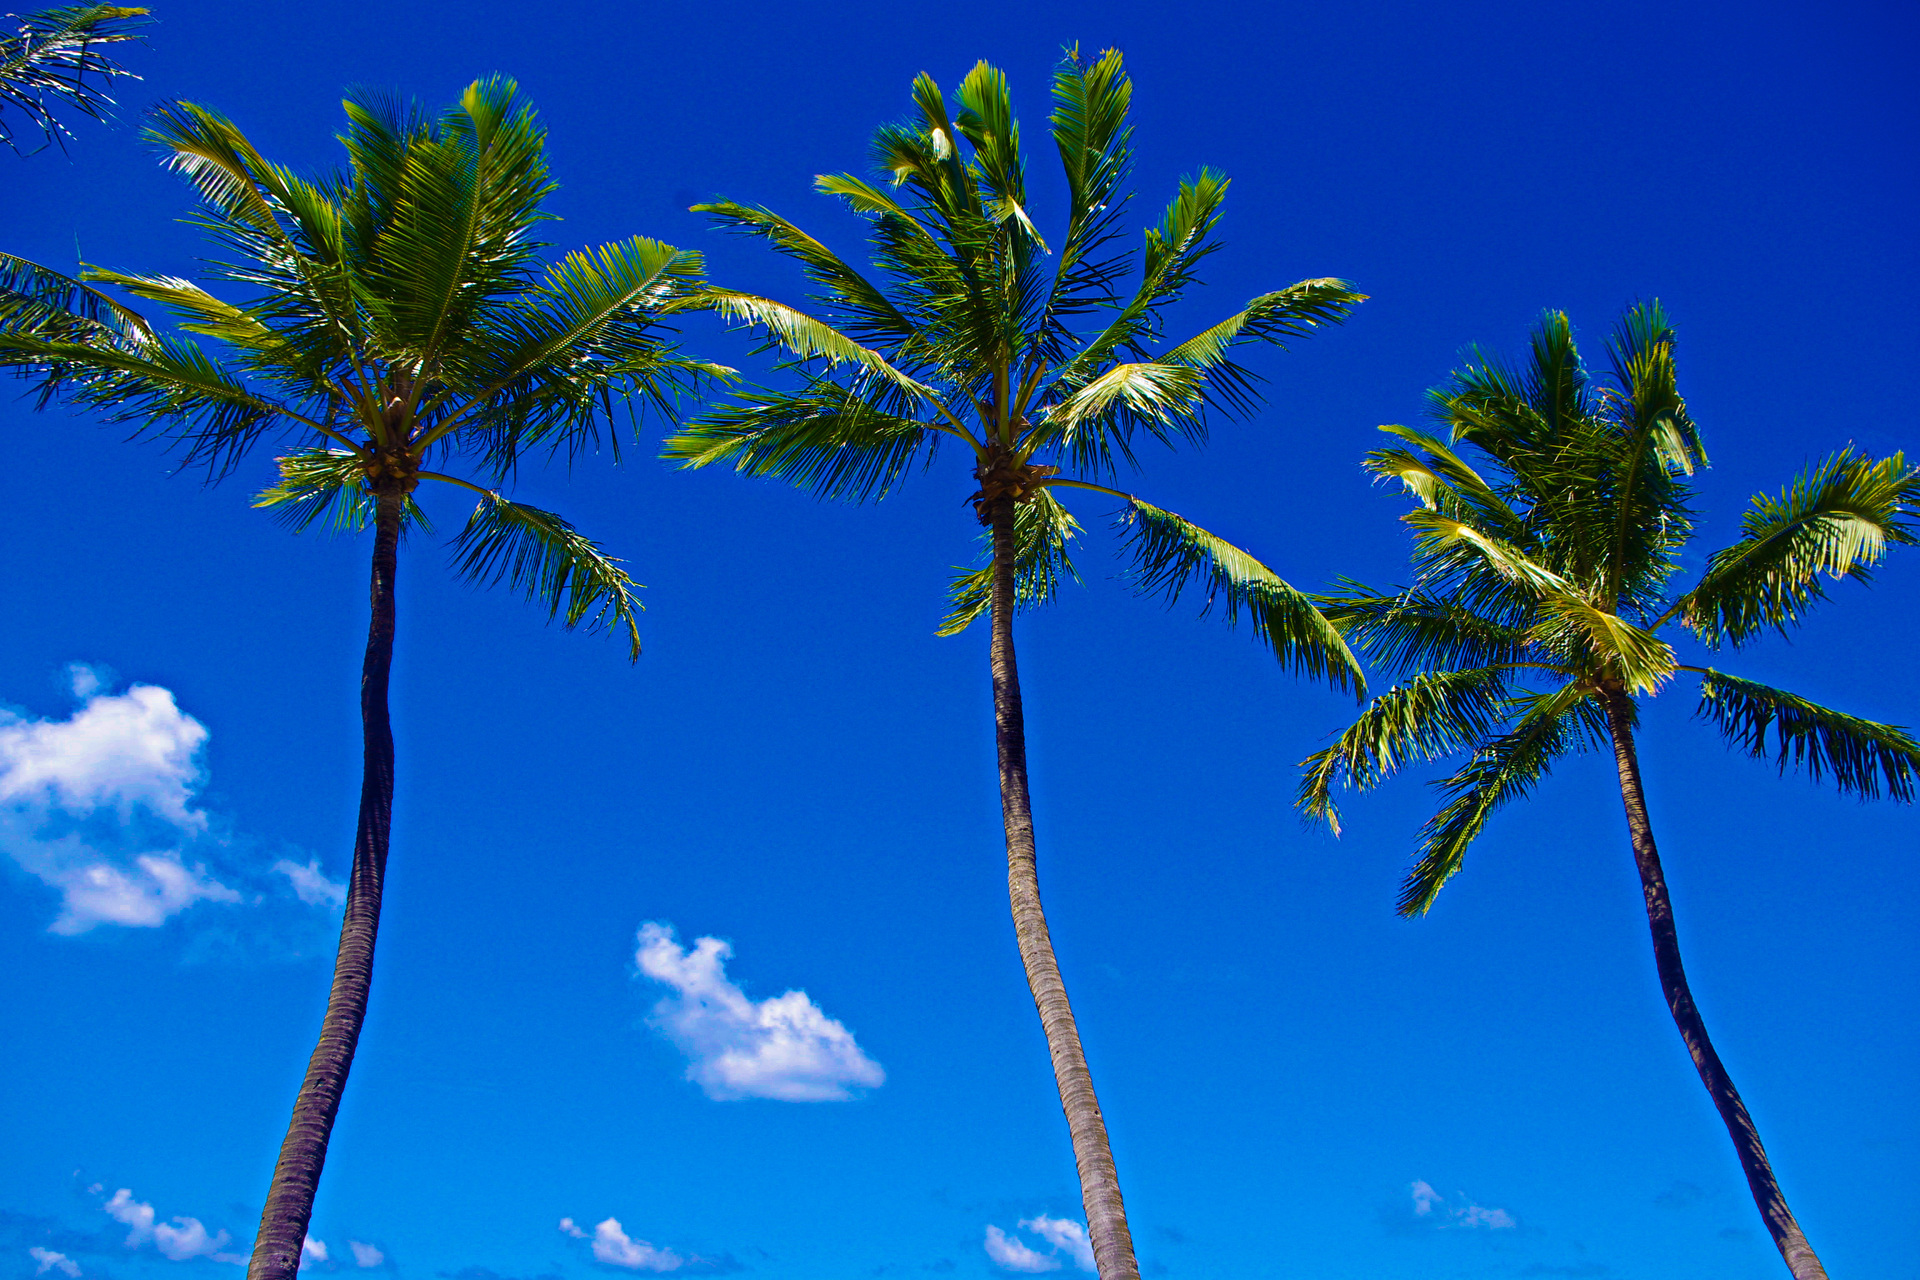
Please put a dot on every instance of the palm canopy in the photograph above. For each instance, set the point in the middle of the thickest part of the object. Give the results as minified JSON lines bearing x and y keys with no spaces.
{"x":400,"y":316}
{"x":46,"y":64}
{"x":1549,"y":525}
{"x":1040,"y":360}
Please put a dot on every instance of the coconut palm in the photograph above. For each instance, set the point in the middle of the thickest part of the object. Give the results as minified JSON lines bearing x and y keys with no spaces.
{"x":397,"y":317}
{"x":1033,"y":362}
{"x":46,"y":64}
{"x":1549,"y":528}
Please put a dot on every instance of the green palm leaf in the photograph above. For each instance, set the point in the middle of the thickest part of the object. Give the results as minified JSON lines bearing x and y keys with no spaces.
{"x":544,"y":558}
{"x":1861,"y":755}
{"x":329,"y":484}
{"x":1170,"y":552}
{"x":1836,"y":520}
{"x":53,"y":61}
{"x":1502,"y":770}
{"x":1042,"y":532}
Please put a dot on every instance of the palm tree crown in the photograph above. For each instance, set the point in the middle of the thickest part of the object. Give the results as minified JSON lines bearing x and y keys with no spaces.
{"x":1548,"y":534}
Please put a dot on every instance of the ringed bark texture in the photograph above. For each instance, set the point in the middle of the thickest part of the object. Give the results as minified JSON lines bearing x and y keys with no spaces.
{"x":1099,"y":1183}
{"x":1780,"y":1221}
{"x":283,"y":1223}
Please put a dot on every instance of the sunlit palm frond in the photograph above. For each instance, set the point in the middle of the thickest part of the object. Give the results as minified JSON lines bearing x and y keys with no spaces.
{"x":1428,"y":717}
{"x":329,"y":484}
{"x":1862,"y":756}
{"x":56,"y":60}
{"x":827,"y":439}
{"x":1502,"y":770}
{"x":544,"y":558}
{"x":1170,"y":552}
{"x":1836,"y":520}
{"x":1042,"y":533}
{"x":1416,"y":631}
{"x":40,"y":301}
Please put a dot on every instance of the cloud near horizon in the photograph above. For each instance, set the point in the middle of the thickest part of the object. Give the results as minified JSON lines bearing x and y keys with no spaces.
{"x":1064,"y":1236}
{"x":179,"y":1239}
{"x":103,"y":807}
{"x":614,"y":1247}
{"x":1434,"y":1209}
{"x":782,"y":1047}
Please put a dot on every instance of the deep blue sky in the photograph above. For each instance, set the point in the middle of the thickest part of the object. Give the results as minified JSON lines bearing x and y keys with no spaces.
{"x":798,"y":766}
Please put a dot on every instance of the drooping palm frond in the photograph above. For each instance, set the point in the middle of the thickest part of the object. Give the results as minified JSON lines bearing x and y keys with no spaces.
{"x":1043,"y":531}
{"x":40,"y":301}
{"x":544,"y":558}
{"x":55,"y":60}
{"x":1416,"y":630}
{"x":1836,"y":520}
{"x":1428,"y":717}
{"x":828,"y":439}
{"x":1862,"y":756}
{"x":1170,"y":552}
{"x":1502,"y":769}
{"x":329,"y":484}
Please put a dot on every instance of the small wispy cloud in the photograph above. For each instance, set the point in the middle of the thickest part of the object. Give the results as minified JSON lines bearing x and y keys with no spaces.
{"x":311,"y":885}
{"x":782,"y":1047}
{"x":312,"y":1252}
{"x":1436,"y":1210}
{"x":1063,"y":1237}
{"x":1010,"y":1254}
{"x":48,"y":1260}
{"x":615,"y":1248}
{"x":364,"y":1254}
{"x":179,"y":1238}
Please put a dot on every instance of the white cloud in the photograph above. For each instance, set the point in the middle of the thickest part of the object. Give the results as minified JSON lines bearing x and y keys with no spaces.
{"x":1435,"y":1208}
{"x":783,"y":1047}
{"x":188,"y":1239}
{"x":178,"y":1239}
{"x":49,"y":1260}
{"x":127,"y":1211}
{"x":97,"y":806}
{"x":311,"y":885}
{"x":1011,"y":1254}
{"x":568,"y":1226}
{"x":614,"y":1247}
{"x":1064,"y":1234}
{"x":365,"y":1255}
{"x":312,"y":1251}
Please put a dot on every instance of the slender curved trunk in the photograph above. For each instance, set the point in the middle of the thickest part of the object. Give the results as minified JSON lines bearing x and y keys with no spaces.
{"x":1099,"y":1184}
{"x":283,"y":1224}
{"x":1780,"y":1221}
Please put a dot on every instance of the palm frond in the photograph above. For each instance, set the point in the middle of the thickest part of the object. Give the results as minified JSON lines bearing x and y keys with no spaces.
{"x":825,"y":438}
{"x":55,"y":60}
{"x":1430,"y":716}
{"x":1042,"y":532}
{"x":1861,"y":755}
{"x":40,"y":301}
{"x":1417,"y":631}
{"x":329,"y":484}
{"x":1276,"y":318}
{"x":1169,"y":552}
{"x":544,"y":558}
{"x":1836,"y":520}
{"x":1501,"y":771}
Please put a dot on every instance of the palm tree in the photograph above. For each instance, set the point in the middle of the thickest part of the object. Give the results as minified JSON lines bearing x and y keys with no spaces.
{"x":47,"y":62}
{"x":969,"y":334}
{"x":399,"y":316}
{"x":1542,"y":581}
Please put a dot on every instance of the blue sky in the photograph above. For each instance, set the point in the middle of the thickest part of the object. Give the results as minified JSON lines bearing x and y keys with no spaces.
{"x":1297,"y":1082}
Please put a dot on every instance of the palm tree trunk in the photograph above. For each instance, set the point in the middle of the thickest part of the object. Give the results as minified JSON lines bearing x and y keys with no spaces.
{"x":283,"y":1224}
{"x":1099,"y":1184}
{"x":1780,"y":1221}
